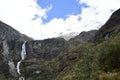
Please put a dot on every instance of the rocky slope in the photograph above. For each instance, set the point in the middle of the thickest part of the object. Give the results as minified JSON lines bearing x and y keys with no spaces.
{"x":57,"y":59}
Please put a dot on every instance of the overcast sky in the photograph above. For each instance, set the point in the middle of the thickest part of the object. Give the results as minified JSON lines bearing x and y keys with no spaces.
{"x":41,"y":19}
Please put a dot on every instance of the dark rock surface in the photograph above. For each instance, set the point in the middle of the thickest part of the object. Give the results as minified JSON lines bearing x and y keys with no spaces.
{"x":48,"y":48}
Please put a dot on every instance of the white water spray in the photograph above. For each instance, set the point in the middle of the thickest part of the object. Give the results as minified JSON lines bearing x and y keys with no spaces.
{"x":23,"y":55}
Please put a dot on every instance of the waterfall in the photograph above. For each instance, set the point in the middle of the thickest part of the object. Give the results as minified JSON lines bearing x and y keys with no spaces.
{"x":23,"y":55}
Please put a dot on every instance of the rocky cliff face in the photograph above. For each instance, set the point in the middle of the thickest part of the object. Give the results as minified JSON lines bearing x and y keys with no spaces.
{"x":47,"y":49}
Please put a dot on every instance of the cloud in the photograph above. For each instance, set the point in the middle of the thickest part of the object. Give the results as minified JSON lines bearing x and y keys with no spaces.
{"x":20,"y":14}
{"x":94,"y":14}
{"x":59,"y":25}
{"x":102,"y":4}
{"x":73,"y":23}
{"x":26,"y":16}
{"x":98,"y":11}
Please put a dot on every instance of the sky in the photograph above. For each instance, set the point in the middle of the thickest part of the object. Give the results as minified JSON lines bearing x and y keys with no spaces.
{"x":42,"y":19}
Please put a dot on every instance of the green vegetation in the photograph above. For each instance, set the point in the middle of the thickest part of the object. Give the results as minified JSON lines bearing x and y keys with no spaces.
{"x":90,"y":61}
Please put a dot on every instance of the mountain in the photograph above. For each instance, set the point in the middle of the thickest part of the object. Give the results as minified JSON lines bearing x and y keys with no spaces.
{"x":92,"y":55}
{"x":68,"y":36}
{"x":83,"y":37}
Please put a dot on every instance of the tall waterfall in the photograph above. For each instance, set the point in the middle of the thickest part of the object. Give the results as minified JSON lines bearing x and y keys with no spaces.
{"x":23,"y":55}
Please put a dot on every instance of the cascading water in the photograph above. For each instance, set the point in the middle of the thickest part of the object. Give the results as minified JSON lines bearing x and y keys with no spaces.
{"x":23,"y":56}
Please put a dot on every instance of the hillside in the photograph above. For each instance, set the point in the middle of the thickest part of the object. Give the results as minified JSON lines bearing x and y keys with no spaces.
{"x":92,"y":55}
